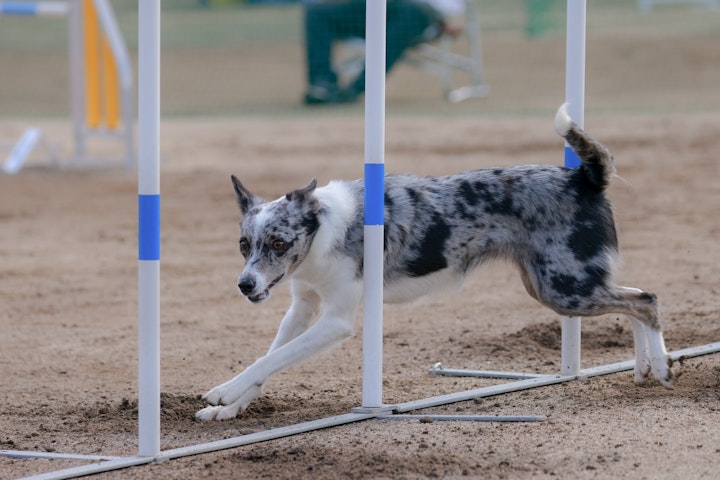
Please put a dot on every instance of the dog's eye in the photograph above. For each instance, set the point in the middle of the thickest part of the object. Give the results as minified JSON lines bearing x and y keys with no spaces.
{"x":279,"y":245}
{"x":244,"y":247}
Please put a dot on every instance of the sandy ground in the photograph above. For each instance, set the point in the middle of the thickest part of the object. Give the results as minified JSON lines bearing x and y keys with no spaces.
{"x":68,"y":275}
{"x":69,"y":313}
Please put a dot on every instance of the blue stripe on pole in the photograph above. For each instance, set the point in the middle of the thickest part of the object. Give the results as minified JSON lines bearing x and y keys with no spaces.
{"x":148,"y":227}
{"x":17,"y":8}
{"x":374,"y":193}
{"x":571,"y":158}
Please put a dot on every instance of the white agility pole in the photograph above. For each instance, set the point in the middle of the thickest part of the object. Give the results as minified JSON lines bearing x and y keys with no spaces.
{"x":374,"y":204}
{"x":575,"y":98}
{"x":149,"y":228}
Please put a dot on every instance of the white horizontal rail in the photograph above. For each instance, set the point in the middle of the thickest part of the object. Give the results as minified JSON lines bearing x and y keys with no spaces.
{"x":34,"y":9}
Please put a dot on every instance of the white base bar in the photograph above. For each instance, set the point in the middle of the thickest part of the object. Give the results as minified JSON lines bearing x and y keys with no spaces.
{"x":438,"y":369}
{"x":21,"y":454}
{"x":466,"y":418}
{"x":546,"y":380}
{"x":264,"y":436}
{"x":85,"y":470}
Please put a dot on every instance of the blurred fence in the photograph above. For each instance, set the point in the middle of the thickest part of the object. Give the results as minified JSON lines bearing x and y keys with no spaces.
{"x":228,"y":58}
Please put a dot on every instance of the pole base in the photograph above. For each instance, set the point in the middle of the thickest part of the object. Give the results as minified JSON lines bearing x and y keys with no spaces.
{"x":373,"y":410}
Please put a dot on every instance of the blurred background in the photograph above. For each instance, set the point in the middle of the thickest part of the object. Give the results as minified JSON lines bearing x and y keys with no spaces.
{"x":224,"y":57}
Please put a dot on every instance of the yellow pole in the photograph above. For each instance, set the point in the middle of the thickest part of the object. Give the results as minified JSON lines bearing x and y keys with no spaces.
{"x":112,"y":87}
{"x":92,"y":65}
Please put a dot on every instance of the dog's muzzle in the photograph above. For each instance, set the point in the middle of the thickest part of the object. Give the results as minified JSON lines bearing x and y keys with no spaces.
{"x":247,"y":286}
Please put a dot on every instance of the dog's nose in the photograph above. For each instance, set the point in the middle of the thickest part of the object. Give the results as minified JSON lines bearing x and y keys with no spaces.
{"x":246,"y":285}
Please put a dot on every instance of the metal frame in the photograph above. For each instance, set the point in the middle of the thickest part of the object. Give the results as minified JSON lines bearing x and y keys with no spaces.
{"x":82,"y":133}
{"x":439,"y":58}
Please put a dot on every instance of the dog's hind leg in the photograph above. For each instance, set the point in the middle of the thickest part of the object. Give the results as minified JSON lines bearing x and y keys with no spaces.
{"x":650,"y":352}
{"x":642,"y":351}
{"x":592,"y":295}
{"x":527,"y":281}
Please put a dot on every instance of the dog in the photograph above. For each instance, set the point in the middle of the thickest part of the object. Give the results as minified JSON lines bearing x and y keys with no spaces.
{"x":554,"y":223}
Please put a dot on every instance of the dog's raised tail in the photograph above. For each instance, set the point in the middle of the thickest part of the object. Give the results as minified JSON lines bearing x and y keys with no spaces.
{"x":596,"y":162}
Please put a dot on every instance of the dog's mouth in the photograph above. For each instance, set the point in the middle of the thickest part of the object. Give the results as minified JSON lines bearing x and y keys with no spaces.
{"x":265,"y":294}
{"x":260,"y":297}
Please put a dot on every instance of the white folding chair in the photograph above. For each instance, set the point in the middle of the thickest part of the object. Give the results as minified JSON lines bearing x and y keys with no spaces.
{"x":437,"y":56}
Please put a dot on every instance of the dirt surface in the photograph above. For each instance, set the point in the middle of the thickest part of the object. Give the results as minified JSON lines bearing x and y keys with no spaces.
{"x":68,"y":277}
{"x":69,"y":313}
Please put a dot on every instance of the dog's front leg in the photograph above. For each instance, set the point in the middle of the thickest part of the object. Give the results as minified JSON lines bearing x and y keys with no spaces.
{"x":302,"y":312}
{"x":336,"y":323}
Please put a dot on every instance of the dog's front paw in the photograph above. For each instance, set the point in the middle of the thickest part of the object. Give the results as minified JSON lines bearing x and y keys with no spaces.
{"x":208,"y":413}
{"x":215,"y":395}
{"x":221,"y":412}
{"x":224,"y":412}
{"x":248,"y":384}
{"x":228,"y":392}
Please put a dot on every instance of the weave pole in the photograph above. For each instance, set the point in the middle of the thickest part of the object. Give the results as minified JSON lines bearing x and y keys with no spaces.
{"x":575,"y":98}
{"x":149,"y":228}
{"x":374,"y":204}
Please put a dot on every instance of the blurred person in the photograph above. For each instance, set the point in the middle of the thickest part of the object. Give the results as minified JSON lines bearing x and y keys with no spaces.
{"x":408,"y":23}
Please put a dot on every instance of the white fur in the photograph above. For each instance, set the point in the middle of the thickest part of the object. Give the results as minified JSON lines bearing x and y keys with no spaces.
{"x":407,"y":289}
{"x":337,"y":218}
{"x":563,"y":122}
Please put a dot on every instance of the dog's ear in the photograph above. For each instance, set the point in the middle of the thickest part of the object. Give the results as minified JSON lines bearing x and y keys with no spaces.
{"x":246,"y":200}
{"x":302,"y":193}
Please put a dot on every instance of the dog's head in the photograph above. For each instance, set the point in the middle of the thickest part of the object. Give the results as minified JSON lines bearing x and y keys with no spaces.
{"x":275,"y":237}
